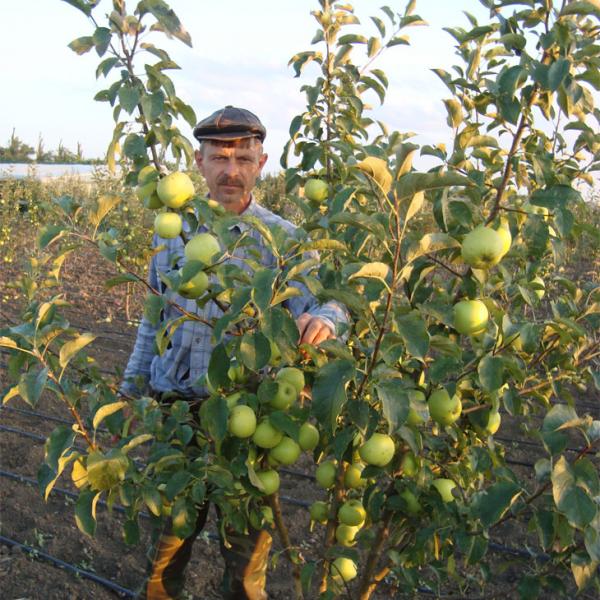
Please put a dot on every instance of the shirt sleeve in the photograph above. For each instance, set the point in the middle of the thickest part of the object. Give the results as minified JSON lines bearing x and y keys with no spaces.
{"x":140,"y":360}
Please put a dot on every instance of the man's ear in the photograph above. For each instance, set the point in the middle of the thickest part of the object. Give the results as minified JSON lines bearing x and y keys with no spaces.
{"x":199,"y":159}
{"x":262,"y":160}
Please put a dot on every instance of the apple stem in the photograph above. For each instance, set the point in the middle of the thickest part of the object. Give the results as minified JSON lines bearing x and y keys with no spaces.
{"x":284,"y":536}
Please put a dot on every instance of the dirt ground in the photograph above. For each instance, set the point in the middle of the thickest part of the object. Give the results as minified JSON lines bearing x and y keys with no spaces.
{"x":50,"y":526}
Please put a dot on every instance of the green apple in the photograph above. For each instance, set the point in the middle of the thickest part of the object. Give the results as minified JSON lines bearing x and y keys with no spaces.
{"x":195,"y":287}
{"x":275,"y":354}
{"x":319,"y":511}
{"x":308,"y":437}
{"x":325,"y":474}
{"x":482,"y":248}
{"x":443,"y":409}
{"x":316,"y":190}
{"x":286,"y":452}
{"x":444,"y":487}
{"x":266,"y":436}
{"x":343,"y":567}
{"x":168,"y":225}
{"x":352,"y":512}
{"x":242,"y":421}
{"x":270,"y":480}
{"x":539,"y":286}
{"x":470,"y":317}
{"x":504,"y":232}
{"x":285,"y":396}
{"x":345,"y":534}
{"x":147,"y":174}
{"x":409,"y":464}
{"x":486,"y":422}
{"x":353,"y":476}
{"x":292,"y":375}
{"x":202,"y":247}
{"x":378,"y":450}
{"x":236,"y":373}
{"x":175,"y":189}
{"x":413,"y":506}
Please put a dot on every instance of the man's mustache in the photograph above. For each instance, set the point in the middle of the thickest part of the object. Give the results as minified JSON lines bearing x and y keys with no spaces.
{"x":225,"y":180}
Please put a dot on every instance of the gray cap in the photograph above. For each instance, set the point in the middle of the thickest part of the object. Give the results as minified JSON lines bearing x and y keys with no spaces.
{"x":230,"y":123}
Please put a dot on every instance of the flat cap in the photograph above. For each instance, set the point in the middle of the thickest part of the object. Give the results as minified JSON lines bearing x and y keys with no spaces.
{"x":230,"y":123}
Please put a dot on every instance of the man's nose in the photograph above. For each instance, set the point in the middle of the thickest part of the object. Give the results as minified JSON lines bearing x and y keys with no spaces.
{"x":231,"y":168}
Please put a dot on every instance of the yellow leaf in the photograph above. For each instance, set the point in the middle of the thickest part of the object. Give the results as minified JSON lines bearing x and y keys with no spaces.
{"x":71,"y":348}
{"x":107,"y":410}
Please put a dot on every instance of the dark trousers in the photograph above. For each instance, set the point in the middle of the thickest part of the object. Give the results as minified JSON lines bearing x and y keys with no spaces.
{"x":246,"y":559}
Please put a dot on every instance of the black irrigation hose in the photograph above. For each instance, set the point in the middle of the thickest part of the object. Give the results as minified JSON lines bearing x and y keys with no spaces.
{"x":115,"y":587}
{"x":527,"y":554}
{"x":45,"y":417}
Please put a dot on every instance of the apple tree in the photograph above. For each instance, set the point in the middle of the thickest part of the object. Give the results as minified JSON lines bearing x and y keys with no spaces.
{"x":462,"y":332}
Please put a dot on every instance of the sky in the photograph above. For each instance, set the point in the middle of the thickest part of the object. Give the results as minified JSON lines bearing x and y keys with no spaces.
{"x":239,"y":56}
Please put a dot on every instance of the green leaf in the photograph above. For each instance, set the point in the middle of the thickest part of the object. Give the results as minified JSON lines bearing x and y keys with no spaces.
{"x":411,"y":183}
{"x":254,"y":350}
{"x":262,"y":287}
{"x":82,"y":45}
{"x":490,"y":505}
{"x":395,"y":402}
{"x":178,"y":482}
{"x":329,"y":392}
{"x":413,"y":330}
{"x":432,"y":242}
{"x":557,"y":73}
{"x":71,"y":348}
{"x":129,"y":96}
{"x":134,"y":146}
{"x":131,"y":532}
{"x":213,"y":416}
{"x":81,"y":5}
{"x":153,"y":307}
{"x":491,"y":372}
{"x":85,"y":511}
{"x":153,"y":105}
{"x":101,"y":39}
{"x":183,"y":517}
{"x":31,"y":385}
{"x":105,"y":66}
{"x":581,"y":7}
{"x":509,"y":80}
{"x":218,"y":366}
{"x":169,"y":20}
{"x":49,"y":234}
{"x":591,"y":538}
{"x":570,"y":499}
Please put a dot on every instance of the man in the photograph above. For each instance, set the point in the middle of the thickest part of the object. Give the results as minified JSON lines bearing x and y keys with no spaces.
{"x":230,"y":158}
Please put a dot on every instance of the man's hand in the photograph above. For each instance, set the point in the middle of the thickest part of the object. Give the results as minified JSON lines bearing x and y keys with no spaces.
{"x":313,"y":330}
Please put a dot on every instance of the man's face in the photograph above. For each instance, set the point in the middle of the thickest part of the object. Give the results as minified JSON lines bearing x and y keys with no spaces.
{"x":231,"y":170}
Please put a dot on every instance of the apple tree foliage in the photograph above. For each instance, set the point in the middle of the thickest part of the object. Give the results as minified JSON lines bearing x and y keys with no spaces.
{"x":524,"y":136}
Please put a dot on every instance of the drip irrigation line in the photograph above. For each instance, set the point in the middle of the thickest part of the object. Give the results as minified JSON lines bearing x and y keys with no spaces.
{"x":517,"y":552}
{"x":46,"y":417}
{"x":38,"y":554}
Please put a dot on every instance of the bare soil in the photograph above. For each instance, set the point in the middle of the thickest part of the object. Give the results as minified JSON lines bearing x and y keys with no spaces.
{"x":50,"y":526}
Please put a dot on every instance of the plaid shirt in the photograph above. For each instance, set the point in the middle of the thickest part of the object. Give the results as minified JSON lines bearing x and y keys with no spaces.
{"x":186,"y":358}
